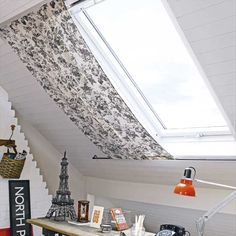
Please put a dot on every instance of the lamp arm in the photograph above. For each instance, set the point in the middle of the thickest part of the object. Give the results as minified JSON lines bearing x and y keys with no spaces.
{"x":200,"y":223}
{"x":215,"y":184}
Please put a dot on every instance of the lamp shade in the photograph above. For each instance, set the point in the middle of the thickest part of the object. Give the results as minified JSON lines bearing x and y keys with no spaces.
{"x":185,"y":187}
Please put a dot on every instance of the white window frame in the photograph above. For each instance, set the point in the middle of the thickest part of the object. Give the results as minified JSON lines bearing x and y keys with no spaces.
{"x":129,"y":91}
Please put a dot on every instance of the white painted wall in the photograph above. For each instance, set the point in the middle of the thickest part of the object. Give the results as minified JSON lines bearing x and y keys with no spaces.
{"x":40,"y":199}
{"x":48,"y":160}
{"x":220,"y":225}
{"x":158,"y":194}
{"x":161,"y":206}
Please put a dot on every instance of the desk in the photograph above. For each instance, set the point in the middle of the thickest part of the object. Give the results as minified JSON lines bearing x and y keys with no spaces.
{"x":50,"y":228}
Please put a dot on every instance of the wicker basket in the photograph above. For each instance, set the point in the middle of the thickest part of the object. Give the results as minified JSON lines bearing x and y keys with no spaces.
{"x":10,"y":168}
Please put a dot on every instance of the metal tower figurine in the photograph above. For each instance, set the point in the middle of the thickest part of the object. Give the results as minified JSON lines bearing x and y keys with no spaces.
{"x":62,"y":207}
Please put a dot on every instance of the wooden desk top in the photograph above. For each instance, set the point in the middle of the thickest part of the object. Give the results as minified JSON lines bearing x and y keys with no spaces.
{"x":73,"y":230}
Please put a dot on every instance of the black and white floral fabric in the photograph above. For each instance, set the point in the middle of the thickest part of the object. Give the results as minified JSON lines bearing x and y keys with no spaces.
{"x":53,"y":50}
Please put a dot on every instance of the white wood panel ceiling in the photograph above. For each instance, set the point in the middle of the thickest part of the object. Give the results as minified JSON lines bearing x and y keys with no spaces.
{"x":12,"y":8}
{"x":209,"y":26}
{"x":34,"y":106}
{"x":210,"y":29}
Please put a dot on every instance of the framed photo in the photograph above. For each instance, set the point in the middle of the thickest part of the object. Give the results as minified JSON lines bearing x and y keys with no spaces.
{"x":96,"y":217}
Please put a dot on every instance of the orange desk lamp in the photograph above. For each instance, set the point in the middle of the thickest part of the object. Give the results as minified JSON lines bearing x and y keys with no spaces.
{"x":186,"y":188}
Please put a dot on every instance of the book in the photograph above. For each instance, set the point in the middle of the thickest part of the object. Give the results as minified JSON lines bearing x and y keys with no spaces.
{"x":119,"y":218}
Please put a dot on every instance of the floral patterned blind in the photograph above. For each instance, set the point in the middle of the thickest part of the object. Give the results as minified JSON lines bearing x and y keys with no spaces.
{"x":50,"y":45}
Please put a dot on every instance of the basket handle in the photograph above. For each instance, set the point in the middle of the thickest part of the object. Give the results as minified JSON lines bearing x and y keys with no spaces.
{"x":9,"y":143}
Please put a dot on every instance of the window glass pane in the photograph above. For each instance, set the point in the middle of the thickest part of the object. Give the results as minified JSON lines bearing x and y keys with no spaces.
{"x":146,"y":41}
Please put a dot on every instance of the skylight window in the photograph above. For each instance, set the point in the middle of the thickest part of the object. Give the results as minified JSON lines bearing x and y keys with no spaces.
{"x":143,"y":37}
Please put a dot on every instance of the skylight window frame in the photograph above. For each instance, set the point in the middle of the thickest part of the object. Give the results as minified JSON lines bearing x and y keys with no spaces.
{"x":148,"y":117}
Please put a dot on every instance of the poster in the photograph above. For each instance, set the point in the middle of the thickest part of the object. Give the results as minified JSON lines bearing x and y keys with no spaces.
{"x":19,"y":199}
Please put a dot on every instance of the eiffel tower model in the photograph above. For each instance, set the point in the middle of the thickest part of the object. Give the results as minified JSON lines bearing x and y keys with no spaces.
{"x":62,"y":207}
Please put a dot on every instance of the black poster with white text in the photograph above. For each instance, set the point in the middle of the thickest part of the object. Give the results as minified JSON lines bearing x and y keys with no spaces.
{"x":19,"y":199}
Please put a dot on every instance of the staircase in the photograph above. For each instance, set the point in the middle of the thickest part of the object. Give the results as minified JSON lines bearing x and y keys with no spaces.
{"x":40,"y":199}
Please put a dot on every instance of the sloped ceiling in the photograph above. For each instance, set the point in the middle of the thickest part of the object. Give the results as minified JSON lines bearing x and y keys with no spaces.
{"x":35,"y":107}
{"x":52,"y":48}
{"x":209,"y":26}
{"x":210,"y":29}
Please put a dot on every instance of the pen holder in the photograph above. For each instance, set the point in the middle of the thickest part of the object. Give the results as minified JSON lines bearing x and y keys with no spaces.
{"x":137,"y":232}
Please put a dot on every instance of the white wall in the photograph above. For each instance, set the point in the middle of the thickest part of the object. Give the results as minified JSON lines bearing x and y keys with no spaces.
{"x":158,"y":194}
{"x":220,"y":225}
{"x":48,"y":160}
{"x":40,"y":199}
{"x":161,"y":206}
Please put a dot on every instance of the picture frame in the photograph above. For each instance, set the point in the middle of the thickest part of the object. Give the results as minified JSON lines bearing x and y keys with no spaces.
{"x":96,"y":217}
